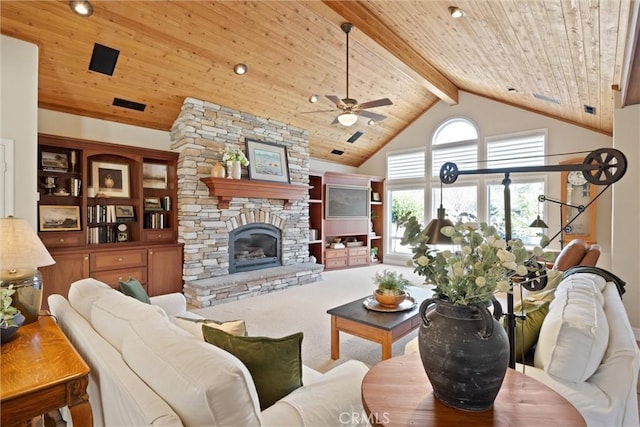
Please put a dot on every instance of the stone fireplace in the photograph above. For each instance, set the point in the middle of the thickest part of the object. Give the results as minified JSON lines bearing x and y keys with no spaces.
{"x":248,"y":245}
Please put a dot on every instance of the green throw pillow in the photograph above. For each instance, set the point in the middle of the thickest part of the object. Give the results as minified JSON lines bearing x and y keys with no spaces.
{"x":528,"y":329}
{"x":275,"y":364}
{"x":133,"y":288}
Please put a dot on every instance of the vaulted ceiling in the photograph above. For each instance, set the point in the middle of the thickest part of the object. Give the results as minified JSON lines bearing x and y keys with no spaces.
{"x":555,"y":57}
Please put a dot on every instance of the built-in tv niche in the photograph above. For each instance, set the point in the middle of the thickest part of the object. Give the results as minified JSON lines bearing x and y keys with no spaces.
{"x":347,"y":202}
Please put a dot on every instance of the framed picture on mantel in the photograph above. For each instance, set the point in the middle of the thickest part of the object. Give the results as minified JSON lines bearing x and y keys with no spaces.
{"x":267,"y":161}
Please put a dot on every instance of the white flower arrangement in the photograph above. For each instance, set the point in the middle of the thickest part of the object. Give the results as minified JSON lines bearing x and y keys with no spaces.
{"x":7,"y":311}
{"x":232,"y":152}
{"x":482,"y":264}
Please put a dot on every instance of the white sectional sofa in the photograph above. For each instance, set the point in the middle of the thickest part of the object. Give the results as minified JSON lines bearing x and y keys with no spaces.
{"x":587,"y":352}
{"x":145,"y":370}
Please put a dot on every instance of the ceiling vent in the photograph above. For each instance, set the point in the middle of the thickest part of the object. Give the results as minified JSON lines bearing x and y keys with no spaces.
{"x":119,"y":102}
{"x":355,"y":137}
{"x":589,"y":109}
{"x":546,"y":98}
{"x":103,"y":59}
{"x":337,"y":152}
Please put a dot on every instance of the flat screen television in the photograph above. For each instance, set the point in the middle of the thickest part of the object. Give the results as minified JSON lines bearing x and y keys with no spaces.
{"x":346,"y":202}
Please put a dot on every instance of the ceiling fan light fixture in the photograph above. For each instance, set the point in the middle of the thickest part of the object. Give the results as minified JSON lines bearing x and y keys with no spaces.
{"x":240,"y":69}
{"x":347,"y":119}
{"x":81,"y":7}
{"x":313,"y":99}
{"x":456,"y":12}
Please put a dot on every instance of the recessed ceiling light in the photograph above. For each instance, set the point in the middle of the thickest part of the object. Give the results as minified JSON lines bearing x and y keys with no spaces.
{"x":240,"y":69}
{"x":512,"y":89}
{"x":371,"y":122}
{"x":313,"y":99}
{"x":456,"y":12}
{"x":81,"y":7}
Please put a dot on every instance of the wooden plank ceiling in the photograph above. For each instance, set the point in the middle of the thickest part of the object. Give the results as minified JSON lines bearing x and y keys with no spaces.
{"x":557,"y":56}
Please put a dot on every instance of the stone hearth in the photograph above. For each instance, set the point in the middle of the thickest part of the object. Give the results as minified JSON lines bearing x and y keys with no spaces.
{"x":198,"y":134}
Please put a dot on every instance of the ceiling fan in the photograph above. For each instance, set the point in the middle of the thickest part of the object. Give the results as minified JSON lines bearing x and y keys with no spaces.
{"x":349,"y":107}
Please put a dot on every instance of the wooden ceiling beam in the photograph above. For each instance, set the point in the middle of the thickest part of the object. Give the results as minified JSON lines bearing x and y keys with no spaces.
{"x":412,"y":64}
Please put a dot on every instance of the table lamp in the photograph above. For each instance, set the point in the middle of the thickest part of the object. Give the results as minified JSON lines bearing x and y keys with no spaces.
{"x":21,"y":252}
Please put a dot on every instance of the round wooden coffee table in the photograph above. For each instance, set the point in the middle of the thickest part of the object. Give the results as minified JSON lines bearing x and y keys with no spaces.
{"x":397,"y":392}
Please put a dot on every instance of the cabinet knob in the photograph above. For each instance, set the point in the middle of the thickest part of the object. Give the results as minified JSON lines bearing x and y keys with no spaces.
{"x":61,"y":240}
{"x":159,"y":235}
{"x":150,"y":252}
{"x":120,"y":278}
{"x":119,"y":259}
{"x":86,"y":258}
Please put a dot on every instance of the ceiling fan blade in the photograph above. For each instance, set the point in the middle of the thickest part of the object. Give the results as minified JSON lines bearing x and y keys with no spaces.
{"x":370,"y":115}
{"x":337,"y":101}
{"x":377,"y":103}
{"x":335,"y":121}
{"x":318,"y":111}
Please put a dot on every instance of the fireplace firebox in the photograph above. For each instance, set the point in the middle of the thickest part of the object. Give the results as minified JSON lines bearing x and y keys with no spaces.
{"x":254,"y":247}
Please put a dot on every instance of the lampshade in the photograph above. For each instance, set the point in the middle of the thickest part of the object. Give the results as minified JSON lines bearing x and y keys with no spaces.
{"x":347,"y":119}
{"x":538,"y":223}
{"x":21,"y":251}
{"x":435,"y":225}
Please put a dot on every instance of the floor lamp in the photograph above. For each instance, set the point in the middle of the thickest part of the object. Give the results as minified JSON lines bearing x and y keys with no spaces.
{"x":603,"y":166}
{"x":580,"y":208}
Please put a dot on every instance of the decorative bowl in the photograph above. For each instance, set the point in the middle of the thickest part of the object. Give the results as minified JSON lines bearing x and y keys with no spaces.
{"x":7,"y":333}
{"x":388,"y":300}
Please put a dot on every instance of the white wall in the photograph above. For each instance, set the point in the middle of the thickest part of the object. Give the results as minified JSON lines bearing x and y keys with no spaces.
{"x":494,"y":118}
{"x":625,"y":252}
{"x":63,"y":124}
{"x":19,"y":119}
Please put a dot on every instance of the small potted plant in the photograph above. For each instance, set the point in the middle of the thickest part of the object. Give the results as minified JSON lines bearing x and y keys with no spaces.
{"x":10,"y":317}
{"x":391,"y":288}
{"x":374,"y":254}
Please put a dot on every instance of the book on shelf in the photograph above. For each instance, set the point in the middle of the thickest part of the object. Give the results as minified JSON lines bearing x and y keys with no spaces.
{"x":102,"y":234}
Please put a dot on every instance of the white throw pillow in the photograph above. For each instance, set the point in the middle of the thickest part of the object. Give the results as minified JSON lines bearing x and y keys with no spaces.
{"x":194,"y":326}
{"x":575,"y":333}
{"x":204,"y":384}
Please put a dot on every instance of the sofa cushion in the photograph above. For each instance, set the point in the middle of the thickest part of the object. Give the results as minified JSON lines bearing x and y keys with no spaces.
{"x":83,"y":293}
{"x":275,"y":364}
{"x":194,"y":326}
{"x":575,"y":332}
{"x":205,"y":385}
{"x":112,"y":314}
{"x":133,"y":288}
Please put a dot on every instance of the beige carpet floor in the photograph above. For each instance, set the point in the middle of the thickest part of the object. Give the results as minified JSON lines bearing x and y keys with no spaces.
{"x":304,"y":308}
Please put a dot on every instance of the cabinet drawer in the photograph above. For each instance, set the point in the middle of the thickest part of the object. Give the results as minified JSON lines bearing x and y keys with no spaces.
{"x":62,"y":240}
{"x":111,"y":278}
{"x":358,"y":260}
{"x":336,"y":253}
{"x":358,"y":251}
{"x":118,"y":259}
{"x":335,"y":262}
{"x":159,"y":235}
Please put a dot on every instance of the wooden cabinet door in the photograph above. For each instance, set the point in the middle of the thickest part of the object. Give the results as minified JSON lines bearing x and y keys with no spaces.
{"x":57,"y":278}
{"x":164,"y":274}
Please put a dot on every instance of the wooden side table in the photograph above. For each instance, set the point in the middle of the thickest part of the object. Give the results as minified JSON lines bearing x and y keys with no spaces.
{"x":40,"y":371}
{"x":397,"y":392}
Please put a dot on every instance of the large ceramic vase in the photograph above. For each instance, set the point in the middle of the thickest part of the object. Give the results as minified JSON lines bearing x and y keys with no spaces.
{"x":464,"y":351}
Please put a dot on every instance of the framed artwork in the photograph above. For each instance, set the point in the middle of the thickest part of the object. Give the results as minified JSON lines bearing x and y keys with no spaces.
{"x":59,"y":218}
{"x":152,"y":204}
{"x":267,"y":161}
{"x":154,"y":175}
{"x":110,"y":179}
{"x":375,"y":197}
{"x":125,"y":213}
{"x":344,"y":201}
{"x":54,"y":162}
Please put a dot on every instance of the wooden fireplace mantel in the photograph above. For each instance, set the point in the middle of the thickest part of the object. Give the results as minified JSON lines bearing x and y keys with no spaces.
{"x":226,"y":189}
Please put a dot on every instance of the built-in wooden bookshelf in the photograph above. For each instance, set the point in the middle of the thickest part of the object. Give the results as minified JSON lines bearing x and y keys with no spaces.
{"x":105,"y":210}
